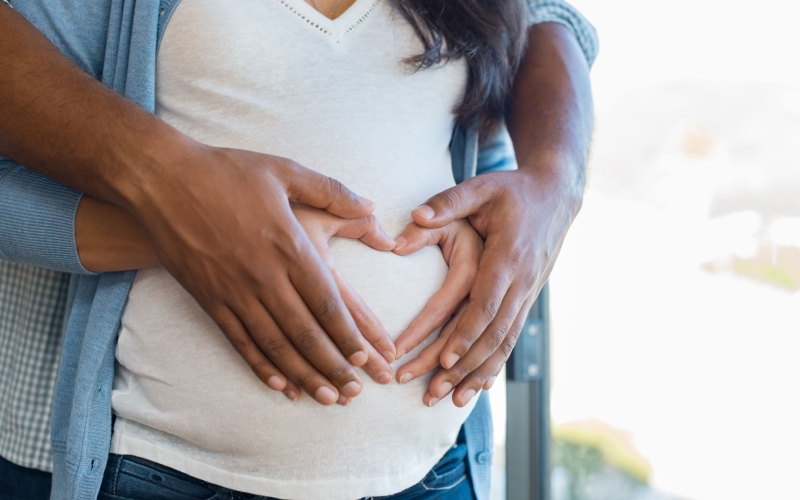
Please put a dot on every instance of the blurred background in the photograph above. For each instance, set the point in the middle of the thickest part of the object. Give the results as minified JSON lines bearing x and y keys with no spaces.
{"x":676,"y":299}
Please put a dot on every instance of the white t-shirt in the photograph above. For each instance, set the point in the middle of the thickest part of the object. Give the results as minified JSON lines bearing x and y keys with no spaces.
{"x":278,"y":77}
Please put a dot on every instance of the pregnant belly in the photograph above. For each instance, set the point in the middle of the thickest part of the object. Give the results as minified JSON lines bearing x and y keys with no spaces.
{"x":181,"y":384}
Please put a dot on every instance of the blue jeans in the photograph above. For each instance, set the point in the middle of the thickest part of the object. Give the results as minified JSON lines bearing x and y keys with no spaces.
{"x":20,"y":482}
{"x":131,"y":478}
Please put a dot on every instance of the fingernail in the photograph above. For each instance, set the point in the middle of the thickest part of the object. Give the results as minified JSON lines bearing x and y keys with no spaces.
{"x":401,"y":242}
{"x":351,"y":389}
{"x":424,"y":211}
{"x":405,"y":378}
{"x":432,"y":402}
{"x":389,"y":356}
{"x":468,"y":394}
{"x":445,"y":388}
{"x":367,"y":202}
{"x":358,"y":358}
{"x":490,"y":382}
{"x":344,"y":400}
{"x":276,"y":383}
{"x":450,"y":360}
{"x":400,"y":354}
{"x":385,"y":378}
{"x":325,"y":395}
{"x":292,"y":395}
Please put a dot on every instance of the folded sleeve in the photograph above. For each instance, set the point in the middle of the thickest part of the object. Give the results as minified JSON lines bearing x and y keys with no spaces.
{"x":37,"y":220}
{"x":558,"y":11}
{"x":497,"y":154}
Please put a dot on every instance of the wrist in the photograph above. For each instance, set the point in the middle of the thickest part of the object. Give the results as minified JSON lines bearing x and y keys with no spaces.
{"x":146,"y":164}
{"x":556,"y":176}
{"x":108,"y":238}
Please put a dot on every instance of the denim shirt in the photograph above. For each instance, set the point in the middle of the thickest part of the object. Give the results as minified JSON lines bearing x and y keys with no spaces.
{"x":116,"y":41}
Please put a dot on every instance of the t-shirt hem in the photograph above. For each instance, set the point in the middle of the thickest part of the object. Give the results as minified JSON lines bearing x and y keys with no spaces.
{"x":332,"y":489}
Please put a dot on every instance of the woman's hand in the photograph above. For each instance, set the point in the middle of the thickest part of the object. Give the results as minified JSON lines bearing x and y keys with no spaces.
{"x":462,"y":248}
{"x":321,"y":226}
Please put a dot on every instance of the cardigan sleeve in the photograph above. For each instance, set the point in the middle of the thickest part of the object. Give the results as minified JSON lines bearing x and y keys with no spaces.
{"x":37,"y":220}
{"x":559,"y":11}
{"x":37,"y":216}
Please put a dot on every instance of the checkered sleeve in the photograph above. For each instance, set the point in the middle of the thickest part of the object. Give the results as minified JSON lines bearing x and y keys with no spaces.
{"x":32,"y":304}
{"x":559,"y":11}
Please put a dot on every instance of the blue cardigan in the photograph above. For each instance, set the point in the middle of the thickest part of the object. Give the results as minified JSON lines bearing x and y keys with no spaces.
{"x":116,"y":41}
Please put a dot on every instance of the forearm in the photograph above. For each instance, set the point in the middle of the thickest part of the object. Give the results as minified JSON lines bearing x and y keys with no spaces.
{"x":60,"y":122}
{"x":550,"y":114}
{"x":111,"y":239}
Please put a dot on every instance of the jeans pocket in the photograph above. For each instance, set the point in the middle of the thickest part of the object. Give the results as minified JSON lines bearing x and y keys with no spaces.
{"x":135,"y":478}
{"x":449,"y":472}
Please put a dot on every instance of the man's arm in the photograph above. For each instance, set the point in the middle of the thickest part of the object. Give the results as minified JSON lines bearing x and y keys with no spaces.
{"x":219,"y":219}
{"x":524,"y":214}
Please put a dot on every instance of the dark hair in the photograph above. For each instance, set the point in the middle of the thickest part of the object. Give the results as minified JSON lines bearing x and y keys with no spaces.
{"x":488,"y":34}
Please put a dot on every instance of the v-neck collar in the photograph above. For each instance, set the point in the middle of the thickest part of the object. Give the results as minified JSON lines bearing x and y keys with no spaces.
{"x":337,"y":28}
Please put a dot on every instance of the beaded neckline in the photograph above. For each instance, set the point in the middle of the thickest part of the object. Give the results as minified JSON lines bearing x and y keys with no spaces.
{"x":329,"y":26}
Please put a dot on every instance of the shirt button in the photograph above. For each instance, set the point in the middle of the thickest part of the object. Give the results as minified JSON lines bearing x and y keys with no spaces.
{"x":484,"y":457}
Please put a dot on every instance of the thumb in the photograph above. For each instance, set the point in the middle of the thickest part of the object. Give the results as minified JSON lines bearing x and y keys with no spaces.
{"x":458,"y":202}
{"x":320,"y":191}
{"x":368,"y":230}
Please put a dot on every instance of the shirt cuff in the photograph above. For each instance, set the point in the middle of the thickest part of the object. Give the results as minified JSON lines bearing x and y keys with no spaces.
{"x":37,"y":221}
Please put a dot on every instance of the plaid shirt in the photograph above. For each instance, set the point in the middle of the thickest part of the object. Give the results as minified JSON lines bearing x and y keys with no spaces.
{"x":32,"y":302}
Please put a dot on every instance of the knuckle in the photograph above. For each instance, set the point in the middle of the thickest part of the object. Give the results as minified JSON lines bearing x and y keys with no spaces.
{"x":490,"y":307}
{"x":306,"y":381}
{"x":360,"y":316}
{"x":339,"y":373}
{"x":327,"y":309}
{"x":462,"y":346}
{"x":372,"y":365}
{"x":460,"y":373}
{"x":274,"y":349}
{"x":238,"y":344}
{"x":289,"y":245}
{"x":529,"y":280}
{"x":450,"y":198}
{"x":508,"y":346}
{"x":307,"y":340}
{"x":515,"y":256}
{"x":336,"y":188}
{"x":496,"y":338}
{"x":259,"y":366}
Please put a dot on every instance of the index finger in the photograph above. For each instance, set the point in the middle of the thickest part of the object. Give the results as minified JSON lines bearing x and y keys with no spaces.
{"x":493,"y":280}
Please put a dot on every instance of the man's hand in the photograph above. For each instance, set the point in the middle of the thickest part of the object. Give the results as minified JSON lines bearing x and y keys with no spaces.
{"x":523,"y":215}
{"x":221,"y":223}
{"x":111,"y":239}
